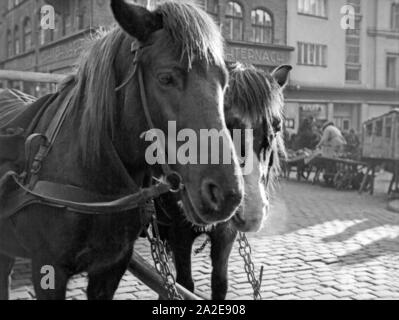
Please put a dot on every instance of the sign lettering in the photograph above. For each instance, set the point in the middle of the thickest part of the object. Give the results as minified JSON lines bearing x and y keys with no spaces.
{"x":260,"y":56}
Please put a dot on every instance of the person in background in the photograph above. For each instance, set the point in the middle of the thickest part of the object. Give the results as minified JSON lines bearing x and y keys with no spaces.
{"x":287,"y":138}
{"x":332,"y":142}
{"x":345,"y":134}
{"x":307,"y":137}
{"x":353,"y":143}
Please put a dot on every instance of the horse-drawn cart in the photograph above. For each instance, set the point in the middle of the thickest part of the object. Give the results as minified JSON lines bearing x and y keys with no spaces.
{"x":380,"y":146}
{"x":341,"y":173}
{"x":337,"y":172}
{"x":296,"y":162}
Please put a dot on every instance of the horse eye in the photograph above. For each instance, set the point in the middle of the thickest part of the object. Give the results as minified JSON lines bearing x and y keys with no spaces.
{"x":166,"y":79}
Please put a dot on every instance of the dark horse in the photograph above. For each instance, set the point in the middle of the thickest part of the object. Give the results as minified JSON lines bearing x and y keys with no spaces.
{"x":254,"y":101}
{"x":181,"y":57}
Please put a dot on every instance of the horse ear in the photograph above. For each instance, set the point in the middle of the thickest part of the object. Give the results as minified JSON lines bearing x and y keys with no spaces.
{"x":281,"y":74}
{"x":136,"y":20}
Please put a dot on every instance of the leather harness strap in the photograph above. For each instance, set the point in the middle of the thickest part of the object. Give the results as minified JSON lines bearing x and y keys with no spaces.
{"x":49,"y":137}
{"x":51,"y":194}
{"x":64,"y":196}
{"x":172,"y":177}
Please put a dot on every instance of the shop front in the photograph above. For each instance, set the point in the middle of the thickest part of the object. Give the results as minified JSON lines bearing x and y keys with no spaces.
{"x":316,"y":111}
{"x":347,"y":108}
{"x":346,"y":116}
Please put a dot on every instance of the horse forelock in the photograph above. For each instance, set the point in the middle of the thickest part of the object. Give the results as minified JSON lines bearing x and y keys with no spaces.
{"x":193,"y":31}
{"x":256,"y":96}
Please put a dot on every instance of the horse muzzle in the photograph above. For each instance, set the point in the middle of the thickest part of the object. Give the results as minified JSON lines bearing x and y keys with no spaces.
{"x":250,"y":222}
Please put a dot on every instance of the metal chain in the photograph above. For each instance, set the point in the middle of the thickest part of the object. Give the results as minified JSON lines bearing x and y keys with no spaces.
{"x":161,"y":262}
{"x":245,"y":252}
{"x":203,"y":246}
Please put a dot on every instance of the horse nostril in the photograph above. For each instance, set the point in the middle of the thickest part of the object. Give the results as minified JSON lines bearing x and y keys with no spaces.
{"x":212,"y":194}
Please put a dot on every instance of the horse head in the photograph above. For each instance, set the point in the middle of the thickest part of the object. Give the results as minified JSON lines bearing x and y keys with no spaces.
{"x":179,"y":50}
{"x":254,"y":102}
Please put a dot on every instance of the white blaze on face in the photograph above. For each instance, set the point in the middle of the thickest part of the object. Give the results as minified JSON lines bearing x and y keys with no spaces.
{"x":252,"y":213}
{"x":255,"y":200}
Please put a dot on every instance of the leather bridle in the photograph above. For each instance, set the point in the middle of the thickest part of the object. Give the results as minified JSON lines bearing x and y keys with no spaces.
{"x":172,"y":177}
{"x":44,"y":192}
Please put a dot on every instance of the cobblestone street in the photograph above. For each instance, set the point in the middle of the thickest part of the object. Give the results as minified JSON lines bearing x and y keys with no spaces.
{"x":318,"y":243}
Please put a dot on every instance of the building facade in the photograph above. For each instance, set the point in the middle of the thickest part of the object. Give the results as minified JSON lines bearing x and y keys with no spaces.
{"x":255,"y":33}
{"x":343,"y":75}
{"x":346,"y":76}
{"x":27,"y":46}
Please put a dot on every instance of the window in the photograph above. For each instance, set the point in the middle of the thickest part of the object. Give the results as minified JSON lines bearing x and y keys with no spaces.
{"x":289,"y":123}
{"x":17,"y":42}
{"x":369,"y":129}
{"x":352,"y":73}
{"x":27,"y":34}
{"x":262,"y":26}
{"x":9,"y":44}
{"x":41,"y":31}
{"x":42,"y":36}
{"x":395,"y":16}
{"x":378,"y":128}
{"x":57,"y":24}
{"x":212,"y":7}
{"x":392,"y":72}
{"x":11,"y":4}
{"x":353,"y":63}
{"x":356,"y":5}
{"x":67,"y":24}
{"x":312,"y":7}
{"x":388,"y":127}
{"x":356,"y":30}
{"x":312,"y":54}
{"x":343,"y":123}
{"x":352,"y":50}
{"x":81,"y":14}
{"x":234,"y":21}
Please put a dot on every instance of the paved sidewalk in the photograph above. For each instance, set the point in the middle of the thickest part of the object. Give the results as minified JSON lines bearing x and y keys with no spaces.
{"x":318,"y":243}
{"x":393,"y":206}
